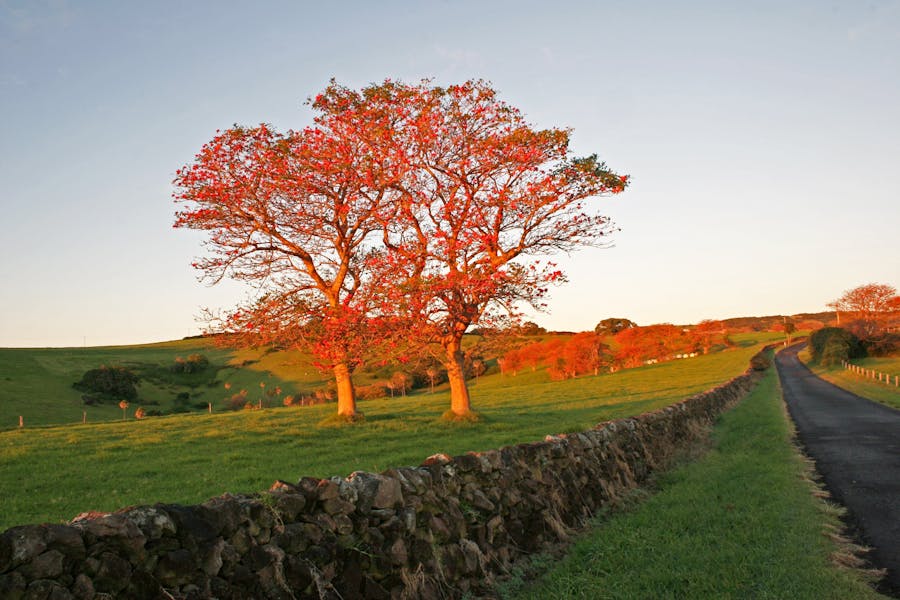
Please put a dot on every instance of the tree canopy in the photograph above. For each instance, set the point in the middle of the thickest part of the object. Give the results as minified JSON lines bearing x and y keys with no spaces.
{"x":872,"y":310}
{"x":868,"y":300}
{"x":405,"y":211}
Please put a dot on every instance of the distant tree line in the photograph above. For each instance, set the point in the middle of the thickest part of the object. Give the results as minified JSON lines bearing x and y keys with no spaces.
{"x":614,"y":344}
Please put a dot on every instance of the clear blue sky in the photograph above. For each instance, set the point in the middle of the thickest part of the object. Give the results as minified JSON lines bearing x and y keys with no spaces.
{"x":763,"y":139}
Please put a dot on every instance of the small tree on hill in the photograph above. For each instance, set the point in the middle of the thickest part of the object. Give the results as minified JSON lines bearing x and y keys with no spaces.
{"x":868,"y":301}
{"x":432,"y":373}
{"x":870,"y":309}
{"x":401,"y":381}
{"x":478,"y":367}
{"x":511,"y":362}
{"x":612,"y":326}
{"x":789,"y":329}
{"x":531,"y":328}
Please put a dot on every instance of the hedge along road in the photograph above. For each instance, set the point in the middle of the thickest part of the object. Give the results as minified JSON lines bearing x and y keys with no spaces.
{"x":856,"y":445}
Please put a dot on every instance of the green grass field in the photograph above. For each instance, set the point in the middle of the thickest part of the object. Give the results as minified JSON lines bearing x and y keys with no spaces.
{"x":53,"y":473}
{"x":739,"y":523}
{"x":37,"y":383}
{"x":859,"y":385}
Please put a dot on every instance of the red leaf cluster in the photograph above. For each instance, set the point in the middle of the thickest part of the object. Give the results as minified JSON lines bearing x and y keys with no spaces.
{"x":580,"y":354}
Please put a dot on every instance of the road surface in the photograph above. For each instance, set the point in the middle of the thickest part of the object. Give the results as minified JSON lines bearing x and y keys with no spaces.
{"x":856,"y":445}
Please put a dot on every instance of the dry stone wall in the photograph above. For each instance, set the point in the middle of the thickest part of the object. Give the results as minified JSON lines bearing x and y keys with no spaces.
{"x":440,"y":530}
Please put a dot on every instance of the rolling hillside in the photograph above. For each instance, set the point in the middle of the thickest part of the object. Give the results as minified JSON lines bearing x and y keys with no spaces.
{"x":53,"y":473}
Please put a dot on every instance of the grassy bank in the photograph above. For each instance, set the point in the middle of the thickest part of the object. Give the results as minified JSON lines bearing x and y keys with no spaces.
{"x":739,"y":523}
{"x":53,"y":473}
{"x":36,"y":383}
{"x":859,"y":385}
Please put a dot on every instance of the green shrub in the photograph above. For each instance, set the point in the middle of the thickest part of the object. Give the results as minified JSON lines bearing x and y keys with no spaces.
{"x":180,"y":403}
{"x":109,"y":384}
{"x":830,"y":346}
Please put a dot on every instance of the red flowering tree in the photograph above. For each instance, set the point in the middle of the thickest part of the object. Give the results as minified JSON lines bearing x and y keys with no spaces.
{"x":871,"y":307}
{"x":637,"y":345}
{"x":487,"y":196}
{"x":534,"y":354}
{"x":511,"y":362}
{"x":868,"y":301}
{"x":582,"y":353}
{"x":708,"y":333}
{"x":295,"y":214}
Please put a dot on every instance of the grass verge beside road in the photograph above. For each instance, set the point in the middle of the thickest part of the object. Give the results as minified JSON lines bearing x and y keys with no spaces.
{"x":859,"y":385}
{"x":741,"y":522}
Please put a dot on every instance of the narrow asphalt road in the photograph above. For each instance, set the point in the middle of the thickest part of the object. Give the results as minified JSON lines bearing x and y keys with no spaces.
{"x":856,"y":445}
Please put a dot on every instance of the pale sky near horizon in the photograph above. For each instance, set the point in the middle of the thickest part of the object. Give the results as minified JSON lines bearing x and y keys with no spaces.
{"x":762,"y":138}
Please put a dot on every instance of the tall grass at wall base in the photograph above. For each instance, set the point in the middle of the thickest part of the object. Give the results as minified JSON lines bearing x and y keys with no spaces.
{"x":742,"y":522}
{"x":879,"y":391}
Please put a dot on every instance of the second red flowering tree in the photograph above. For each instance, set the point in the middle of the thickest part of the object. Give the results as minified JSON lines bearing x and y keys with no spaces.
{"x":485,"y":198}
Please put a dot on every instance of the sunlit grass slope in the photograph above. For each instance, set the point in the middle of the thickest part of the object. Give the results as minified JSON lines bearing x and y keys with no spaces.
{"x":53,"y":473}
{"x":739,"y":523}
{"x":36,"y":383}
{"x":859,"y":385}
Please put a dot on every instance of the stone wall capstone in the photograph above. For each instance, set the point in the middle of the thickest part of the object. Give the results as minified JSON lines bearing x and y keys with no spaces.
{"x":443,"y":529}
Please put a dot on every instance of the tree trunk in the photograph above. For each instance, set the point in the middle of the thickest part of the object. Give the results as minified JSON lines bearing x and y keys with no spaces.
{"x":346,"y":395}
{"x":460,"y":404}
